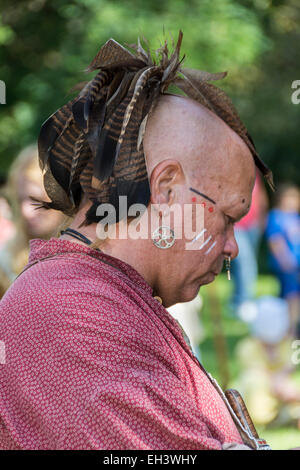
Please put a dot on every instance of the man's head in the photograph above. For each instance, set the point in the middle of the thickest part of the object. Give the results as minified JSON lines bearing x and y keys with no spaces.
{"x":204,"y":164}
{"x":186,"y":146}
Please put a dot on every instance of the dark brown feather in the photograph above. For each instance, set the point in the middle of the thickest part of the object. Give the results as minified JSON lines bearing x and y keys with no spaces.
{"x":113,"y":55}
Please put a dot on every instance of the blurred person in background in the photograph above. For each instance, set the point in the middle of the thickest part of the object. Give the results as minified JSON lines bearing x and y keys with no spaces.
{"x":283,"y":237}
{"x":248,"y":233}
{"x":24,"y":181}
{"x":7,"y":230}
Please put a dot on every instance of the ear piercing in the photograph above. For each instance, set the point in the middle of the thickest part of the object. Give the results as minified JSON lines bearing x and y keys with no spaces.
{"x":163,"y":237}
{"x":227,"y":267}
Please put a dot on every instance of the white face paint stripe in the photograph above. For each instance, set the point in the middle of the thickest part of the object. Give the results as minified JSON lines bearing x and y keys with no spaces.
{"x":199,"y":235}
{"x":210,"y":248}
{"x":205,"y":243}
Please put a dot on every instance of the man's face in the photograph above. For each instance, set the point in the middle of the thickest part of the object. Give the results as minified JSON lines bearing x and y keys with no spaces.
{"x":225,"y":197}
{"x":215,"y":162}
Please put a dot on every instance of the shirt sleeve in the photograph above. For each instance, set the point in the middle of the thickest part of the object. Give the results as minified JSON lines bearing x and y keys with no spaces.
{"x":273,"y":228}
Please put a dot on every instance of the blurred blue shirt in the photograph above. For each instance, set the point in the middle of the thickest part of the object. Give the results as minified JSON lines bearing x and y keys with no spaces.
{"x":287,"y":226}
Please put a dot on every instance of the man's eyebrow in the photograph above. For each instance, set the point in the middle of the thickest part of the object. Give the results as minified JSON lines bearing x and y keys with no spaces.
{"x":203,"y":195}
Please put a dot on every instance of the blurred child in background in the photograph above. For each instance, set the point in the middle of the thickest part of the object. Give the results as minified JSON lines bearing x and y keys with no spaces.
{"x":7,"y":231}
{"x":7,"y":228}
{"x":24,"y":181}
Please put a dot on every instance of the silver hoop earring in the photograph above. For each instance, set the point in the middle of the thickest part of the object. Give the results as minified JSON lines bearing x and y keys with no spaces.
{"x":163,"y":237}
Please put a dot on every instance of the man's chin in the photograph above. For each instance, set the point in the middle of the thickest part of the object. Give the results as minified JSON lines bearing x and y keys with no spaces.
{"x":204,"y":280}
{"x":188,"y":293}
{"x":209,"y":278}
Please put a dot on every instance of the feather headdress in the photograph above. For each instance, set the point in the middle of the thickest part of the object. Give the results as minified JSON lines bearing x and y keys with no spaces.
{"x":94,"y":143}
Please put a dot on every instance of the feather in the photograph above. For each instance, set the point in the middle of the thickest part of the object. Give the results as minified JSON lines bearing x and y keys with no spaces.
{"x":136,"y":192}
{"x":51,"y":130}
{"x":141,"y":53}
{"x":119,"y":95}
{"x":140,"y":84}
{"x":107,"y":151}
{"x":269,"y":178}
{"x":82,"y":107}
{"x":174,"y":60}
{"x":96,"y":122}
{"x":142,"y":131}
{"x":38,"y":204}
{"x":112,"y":55}
{"x":77,"y":149}
{"x":114,"y":84}
{"x":59,"y":197}
{"x":107,"y":143}
{"x":187,"y":86}
{"x":200,"y":75}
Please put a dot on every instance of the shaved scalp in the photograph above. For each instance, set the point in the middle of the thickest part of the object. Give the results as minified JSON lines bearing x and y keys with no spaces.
{"x":182,"y":129}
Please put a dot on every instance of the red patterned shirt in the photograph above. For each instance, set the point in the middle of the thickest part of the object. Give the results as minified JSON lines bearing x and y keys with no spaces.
{"x":93,"y":361}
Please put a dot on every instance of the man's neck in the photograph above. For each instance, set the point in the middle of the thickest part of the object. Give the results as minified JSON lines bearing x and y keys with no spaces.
{"x":132,"y":252}
{"x":89,"y":231}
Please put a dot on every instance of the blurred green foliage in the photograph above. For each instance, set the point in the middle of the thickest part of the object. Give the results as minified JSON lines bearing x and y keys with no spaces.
{"x":46,"y":45}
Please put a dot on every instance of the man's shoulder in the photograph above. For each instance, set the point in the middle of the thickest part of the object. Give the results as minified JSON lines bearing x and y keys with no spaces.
{"x":61,"y":284}
{"x":57,"y":282}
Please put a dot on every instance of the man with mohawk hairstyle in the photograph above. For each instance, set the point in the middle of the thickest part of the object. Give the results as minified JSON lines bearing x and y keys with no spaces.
{"x":92,"y":145}
{"x":93,"y":359}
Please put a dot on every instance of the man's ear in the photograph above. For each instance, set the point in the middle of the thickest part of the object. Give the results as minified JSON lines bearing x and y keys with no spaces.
{"x":165,"y":181}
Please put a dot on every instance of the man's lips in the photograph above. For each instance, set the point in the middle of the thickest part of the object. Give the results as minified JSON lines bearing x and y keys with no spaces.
{"x":218,"y":270}
{"x":216,"y":273}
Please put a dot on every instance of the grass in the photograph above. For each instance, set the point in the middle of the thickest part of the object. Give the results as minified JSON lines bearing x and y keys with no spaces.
{"x":215,"y":299}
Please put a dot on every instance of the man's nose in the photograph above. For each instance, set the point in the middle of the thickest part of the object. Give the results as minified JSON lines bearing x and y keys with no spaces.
{"x":231,"y":247}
